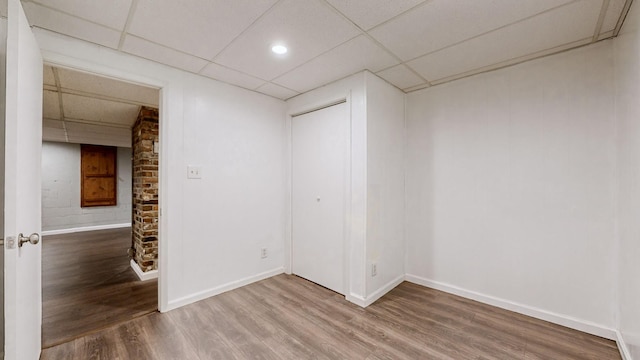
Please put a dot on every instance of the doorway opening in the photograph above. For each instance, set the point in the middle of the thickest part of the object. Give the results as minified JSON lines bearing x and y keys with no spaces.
{"x":99,"y":212}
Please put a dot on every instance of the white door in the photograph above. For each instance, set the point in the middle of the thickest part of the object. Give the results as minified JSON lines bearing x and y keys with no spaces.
{"x":23,"y":144}
{"x":320,"y":149}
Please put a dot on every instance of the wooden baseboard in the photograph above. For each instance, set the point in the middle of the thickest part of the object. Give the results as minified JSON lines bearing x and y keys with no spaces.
{"x":560,"y":319}
{"x":85,"y":228}
{"x":143,"y":276}
{"x":189,"y":299}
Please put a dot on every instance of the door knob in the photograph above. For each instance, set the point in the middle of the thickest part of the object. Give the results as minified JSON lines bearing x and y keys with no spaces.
{"x":33,"y":239}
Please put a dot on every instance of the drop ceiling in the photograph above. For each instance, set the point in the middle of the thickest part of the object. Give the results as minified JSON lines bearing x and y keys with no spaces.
{"x":88,"y":109}
{"x":412,"y":44}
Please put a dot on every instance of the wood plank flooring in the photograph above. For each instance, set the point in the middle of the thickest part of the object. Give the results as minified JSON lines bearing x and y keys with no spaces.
{"x":88,"y":284}
{"x":287,"y":317}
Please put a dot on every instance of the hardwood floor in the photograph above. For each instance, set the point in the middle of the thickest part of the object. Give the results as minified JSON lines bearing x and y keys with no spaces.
{"x":88,"y":284}
{"x":286,"y":317}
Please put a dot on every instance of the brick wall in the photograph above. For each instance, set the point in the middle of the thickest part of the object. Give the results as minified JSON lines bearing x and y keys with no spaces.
{"x":145,"y":189}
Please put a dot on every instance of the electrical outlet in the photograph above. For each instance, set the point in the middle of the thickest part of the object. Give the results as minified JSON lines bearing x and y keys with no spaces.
{"x":263,"y":253}
{"x":374,"y":269}
{"x":194,"y":172}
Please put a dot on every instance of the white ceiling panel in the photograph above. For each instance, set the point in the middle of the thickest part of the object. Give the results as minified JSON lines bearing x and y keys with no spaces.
{"x":231,"y":76}
{"x":84,"y":138}
{"x":276,"y":91}
{"x":95,"y":129}
{"x":48,"y":77}
{"x":50,"y":105}
{"x":148,"y":50}
{"x":369,"y":13}
{"x":442,"y":23}
{"x":69,"y":25}
{"x":613,"y":14}
{"x":307,"y":27}
{"x":353,"y":56}
{"x":55,"y":124}
{"x":112,"y":13}
{"x":565,"y":25}
{"x":82,"y":82}
{"x":92,"y":109}
{"x":198,"y":27}
{"x":401,"y":77}
{"x":53,"y":134}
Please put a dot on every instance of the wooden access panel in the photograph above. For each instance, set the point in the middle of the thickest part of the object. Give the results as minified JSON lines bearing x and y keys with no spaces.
{"x":99,"y":179}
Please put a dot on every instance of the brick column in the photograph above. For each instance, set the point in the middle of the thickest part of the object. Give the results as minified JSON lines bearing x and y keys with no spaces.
{"x":145,"y":189}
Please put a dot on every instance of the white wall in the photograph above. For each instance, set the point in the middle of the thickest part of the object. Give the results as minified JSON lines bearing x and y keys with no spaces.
{"x":385,"y":244}
{"x":212,"y":229}
{"x":627,"y":58}
{"x":61,"y":190}
{"x":510,"y":187}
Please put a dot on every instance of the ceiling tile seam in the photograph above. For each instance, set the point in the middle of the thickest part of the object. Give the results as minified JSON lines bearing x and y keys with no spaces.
{"x":244,"y":31}
{"x":493,"y":30}
{"x":97,"y":123}
{"x":310,"y":60}
{"x":73,"y":37}
{"x":234,"y":70}
{"x":73,"y":16}
{"x":184,"y":53}
{"x":278,"y":85}
{"x":374,"y":40}
{"x":517,"y":60}
{"x":127,"y":24}
{"x":603,"y":13}
{"x":66,"y":133}
{"x":402,"y":63}
{"x":56,"y":78}
{"x":623,"y":16}
{"x":424,"y":3}
{"x":103,"y":97}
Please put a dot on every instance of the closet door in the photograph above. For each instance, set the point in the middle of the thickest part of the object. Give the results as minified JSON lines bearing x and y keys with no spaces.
{"x":320,"y":153}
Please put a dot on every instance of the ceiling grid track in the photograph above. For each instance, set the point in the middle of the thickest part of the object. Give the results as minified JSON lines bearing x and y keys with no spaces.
{"x":132,"y":12}
{"x":62,"y":117}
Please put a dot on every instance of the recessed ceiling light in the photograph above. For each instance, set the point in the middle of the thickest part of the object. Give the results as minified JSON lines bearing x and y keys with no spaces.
{"x":279,"y":49}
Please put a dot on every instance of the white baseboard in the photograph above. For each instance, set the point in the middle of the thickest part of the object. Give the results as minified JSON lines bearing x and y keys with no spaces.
{"x":189,"y":299}
{"x":564,"y":320}
{"x":85,"y":228}
{"x":622,"y":346}
{"x":364,"y":302}
{"x":144,"y":276}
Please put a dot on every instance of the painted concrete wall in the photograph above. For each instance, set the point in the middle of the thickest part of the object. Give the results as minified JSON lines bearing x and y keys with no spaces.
{"x":510,"y":187}
{"x":627,"y":58}
{"x":61,"y":190}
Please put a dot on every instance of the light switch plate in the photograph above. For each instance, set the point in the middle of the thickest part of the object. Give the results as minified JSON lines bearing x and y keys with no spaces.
{"x":194,"y":172}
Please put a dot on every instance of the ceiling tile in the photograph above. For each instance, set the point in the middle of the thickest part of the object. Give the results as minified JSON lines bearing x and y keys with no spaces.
{"x":231,"y":76}
{"x":441,"y":23}
{"x":92,"y":109}
{"x":50,"y":105}
{"x":565,"y":25}
{"x":47,"y":75}
{"x":54,"y":134}
{"x":355,"y":55}
{"x":112,"y":13}
{"x":198,"y":27}
{"x":401,"y":77}
{"x":148,"y":50}
{"x":307,"y":27}
{"x":276,"y":91}
{"x":369,"y":13}
{"x":72,"y":26}
{"x":613,"y":15}
{"x":102,"y":86}
{"x":55,"y":124}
